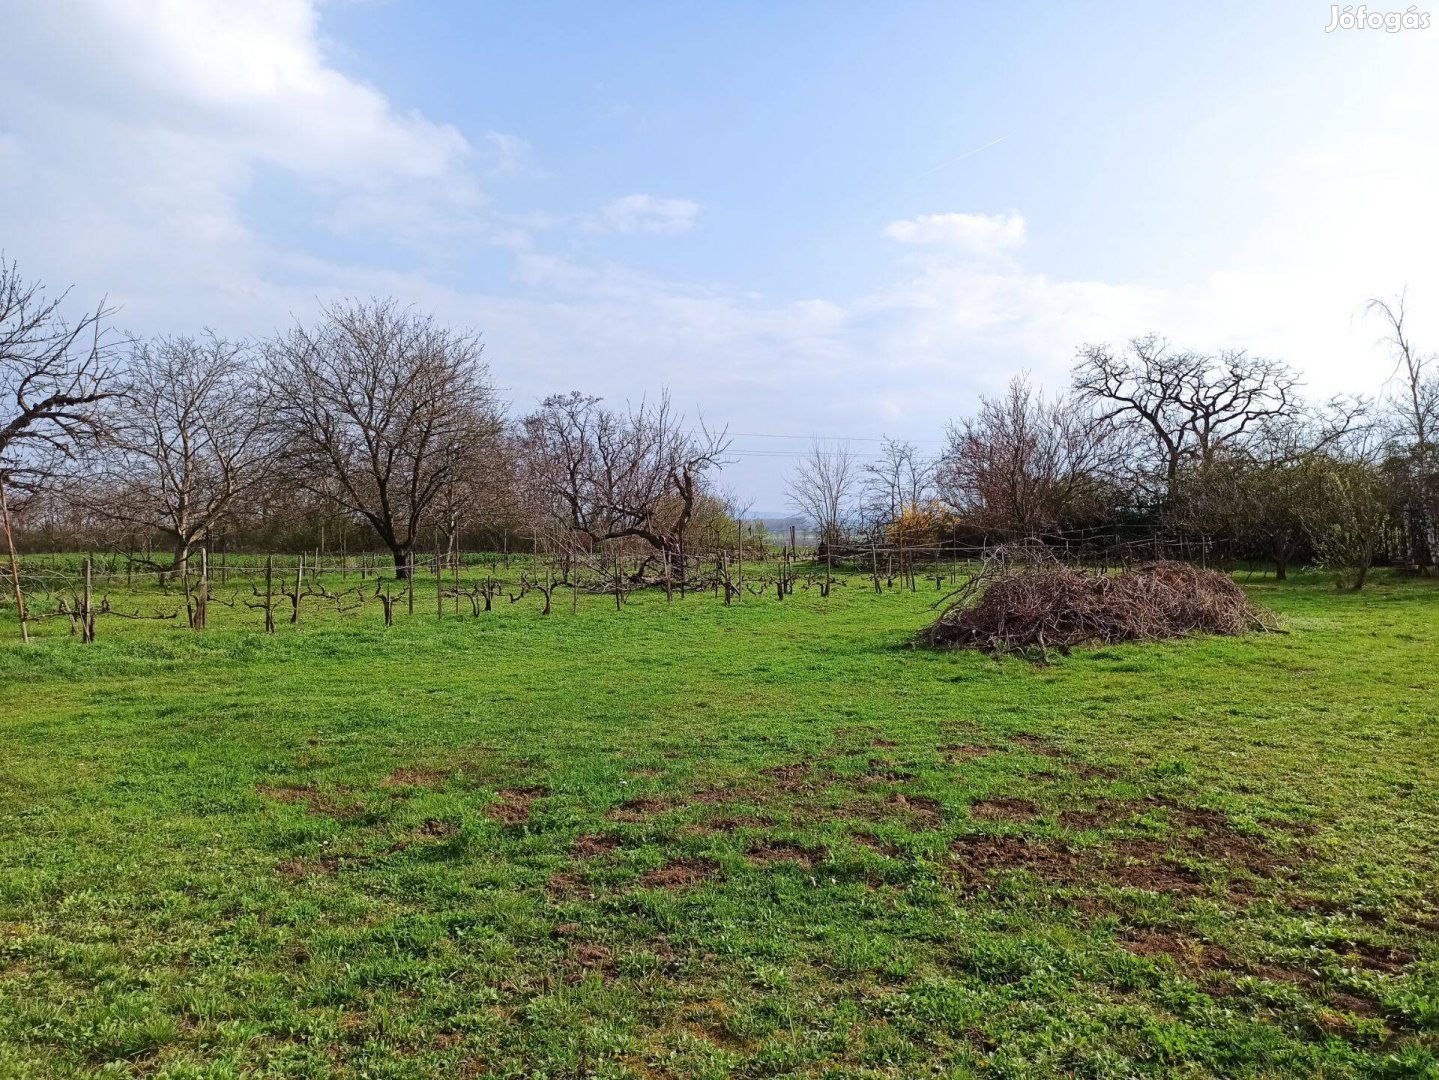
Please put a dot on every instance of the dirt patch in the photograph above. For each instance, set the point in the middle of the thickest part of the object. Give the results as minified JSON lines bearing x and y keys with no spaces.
{"x":980,"y":856}
{"x":884,"y":743}
{"x":881,"y":771}
{"x":593,"y":845}
{"x":1185,"y":951}
{"x":435,"y":829}
{"x":1197,"y":832}
{"x":636,"y":810}
{"x":777,"y":851}
{"x":514,"y":805}
{"x":1356,"y":1005}
{"x":792,"y":777}
{"x":586,"y":958}
{"x":1386,"y":958}
{"x":1004,"y":808}
{"x":296,"y":869}
{"x":1100,"y":817}
{"x":566,"y":884}
{"x":1035,"y":745}
{"x":921,"y":807}
{"x":731,"y":823}
{"x":319,"y":803}
{"x":958,"y":753}
{"x":417,"y":778}
{"x":1086,"y":771}
{"x":874,"y":843}
{"x":679,"y":874}
{"x":1140,"y":864}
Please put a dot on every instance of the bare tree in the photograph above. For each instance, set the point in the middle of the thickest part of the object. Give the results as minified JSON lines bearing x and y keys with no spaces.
{"x":610,"y":475}
{"x":1346,"y":510}
{"x":187,"y":437}
{"x":379,"y":409}
{"x":1413,"y":416}
{"x":822,"y":487}
{"x":900,"y":481}
{"x":53,"y":375}
{"x":1188,"y":406}
{"x":1024,"y":464}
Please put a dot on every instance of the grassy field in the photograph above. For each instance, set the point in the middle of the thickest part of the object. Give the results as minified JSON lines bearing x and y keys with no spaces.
{"x":762,"y":840}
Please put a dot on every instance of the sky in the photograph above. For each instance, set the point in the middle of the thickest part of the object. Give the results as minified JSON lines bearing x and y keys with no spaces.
{"x":835,"y":220}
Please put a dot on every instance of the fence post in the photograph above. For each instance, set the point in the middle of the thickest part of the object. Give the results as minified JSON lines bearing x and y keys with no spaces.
{"x":14,"y":565}
{"x":88,"y":617}
{"x":202,"y":599}
{"x":299,"y":587}
{"x":740,"y":556}
{"x":269,"y":594}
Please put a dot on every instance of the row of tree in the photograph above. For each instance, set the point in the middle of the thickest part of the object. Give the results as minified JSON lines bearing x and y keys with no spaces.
{"x":1150,"y":440}
{"x":376,"y":427}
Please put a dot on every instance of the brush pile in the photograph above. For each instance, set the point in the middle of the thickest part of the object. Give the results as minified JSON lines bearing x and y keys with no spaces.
{"x":1024,"y":600}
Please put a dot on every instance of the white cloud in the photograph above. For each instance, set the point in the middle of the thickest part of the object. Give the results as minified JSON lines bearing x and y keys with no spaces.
{"x":508,"y":155}
{"x":135,"y":133}
{"x":980,"y":234}
{"x":648,"y":214}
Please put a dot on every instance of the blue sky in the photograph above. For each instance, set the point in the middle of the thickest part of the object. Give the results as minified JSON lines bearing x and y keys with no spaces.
{"x":834,"y":219}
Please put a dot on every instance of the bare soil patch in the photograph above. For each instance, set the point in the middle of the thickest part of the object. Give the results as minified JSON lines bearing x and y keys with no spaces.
{"x":566,"y":884}
{"x":776,"y":851}
{"x":298,"y":868}
{"x":793,"y":777}
{"x":586,"y":958}
{"x":958,"y":753}
{"x":729,"y":823}
{"x":874,"y":843}
{"x":679,"y":874}
{"x":514,"y":805}
{"x":416,"y":778}
{"x":920,"y":807}
{"x":1035,"y":745}
{"x":593,"y":845}
{"x":636,"y":810}
{"x":1004,"y":808}
{"x":882,"y":771}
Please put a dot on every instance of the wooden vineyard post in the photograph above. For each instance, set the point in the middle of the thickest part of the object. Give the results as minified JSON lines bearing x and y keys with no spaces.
{"x":269,"y":594}
{"x":410,"y":583}
{"x":299,"y":583}
{"x":203,"y":596}
{"x":575,"y":591}
{"x":455,"y":549}
{"x":740,"y":556}
{"x":87,"y":616}
{"x":14,"y":565}
{"x":439,"y":585}
{"x":388,"y":602}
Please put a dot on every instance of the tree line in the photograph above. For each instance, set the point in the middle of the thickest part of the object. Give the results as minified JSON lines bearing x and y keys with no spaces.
{"x":375,"y":427}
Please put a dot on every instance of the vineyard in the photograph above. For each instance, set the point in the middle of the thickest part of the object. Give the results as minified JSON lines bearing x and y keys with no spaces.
{"x":655,"y":834}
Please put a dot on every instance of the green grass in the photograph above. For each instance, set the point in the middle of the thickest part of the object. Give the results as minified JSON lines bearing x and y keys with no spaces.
{"x":803,"y":847}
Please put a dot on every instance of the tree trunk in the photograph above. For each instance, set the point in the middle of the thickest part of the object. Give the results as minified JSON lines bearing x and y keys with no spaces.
{"x":1281,"y":570}
{"x":1361,"y":575}
{"x":672,"y":552}
{"x":182,"y":557}
{"x":404,"y":560}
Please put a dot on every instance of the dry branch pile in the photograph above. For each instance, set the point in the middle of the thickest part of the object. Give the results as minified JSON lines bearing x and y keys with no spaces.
{"x":1024,"y":600}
